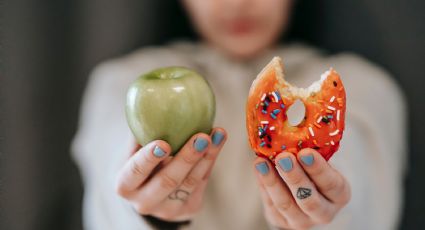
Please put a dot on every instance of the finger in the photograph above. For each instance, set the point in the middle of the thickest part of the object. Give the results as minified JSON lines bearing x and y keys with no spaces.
{"x":194,"y":203}
{"x":161,"y":165}
{"x":200,"y":170}
{"x":136,"y":148}
{"x":271,"y":213}
{"x":279,"y":193}
{"x":140,"y":165}
{"x":166,"y":161}
{"x":328,"y":181}
{"x":303,"y":190}
{"x":218,"y":139}
{"x":172,"y":175}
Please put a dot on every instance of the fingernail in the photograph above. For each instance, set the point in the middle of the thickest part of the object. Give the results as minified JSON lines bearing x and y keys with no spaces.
{"x":307,"y":160}
{"x":200,"y":144}
{"x":217,"y":138}
{"x":158,"y":152}
{"x":285,"y":164}
{"x":262,"y":167}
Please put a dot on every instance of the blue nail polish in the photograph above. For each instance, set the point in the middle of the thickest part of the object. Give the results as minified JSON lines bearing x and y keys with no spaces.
{"x":200,"y":144}
{"x":158,"y":152}
{"x":285,"y":164}
{"x":217,"y":138}
{"x":262,"y":167}
{"x":307,"y":160}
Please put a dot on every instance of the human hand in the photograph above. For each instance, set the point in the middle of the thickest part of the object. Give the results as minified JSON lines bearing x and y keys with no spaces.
{"x":303,"y":191}
{"x":170,"y":187}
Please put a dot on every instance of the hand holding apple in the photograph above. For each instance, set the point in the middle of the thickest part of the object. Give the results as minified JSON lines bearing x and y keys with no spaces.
{"x":170,"y":110}
{"x":170,"y":187}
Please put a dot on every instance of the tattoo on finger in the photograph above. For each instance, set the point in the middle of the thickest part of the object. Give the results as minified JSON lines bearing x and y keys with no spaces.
{"x":179,"y":194}
{"x":303,"y":193}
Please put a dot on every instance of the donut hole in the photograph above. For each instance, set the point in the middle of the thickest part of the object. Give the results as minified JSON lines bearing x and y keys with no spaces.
{"x":296,"y":113}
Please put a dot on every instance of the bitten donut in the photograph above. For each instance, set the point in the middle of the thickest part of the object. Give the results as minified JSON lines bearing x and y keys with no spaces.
{"x":269,"y":98}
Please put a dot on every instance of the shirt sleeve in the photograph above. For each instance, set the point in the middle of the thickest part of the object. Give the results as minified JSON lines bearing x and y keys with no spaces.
{"x":100,"y":147}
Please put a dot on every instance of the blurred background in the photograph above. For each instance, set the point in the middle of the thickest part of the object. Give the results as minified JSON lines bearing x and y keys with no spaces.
{"x":48,"y":48}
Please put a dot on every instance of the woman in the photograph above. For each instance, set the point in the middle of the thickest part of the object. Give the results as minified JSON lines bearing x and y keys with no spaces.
{"x":144,"y":188}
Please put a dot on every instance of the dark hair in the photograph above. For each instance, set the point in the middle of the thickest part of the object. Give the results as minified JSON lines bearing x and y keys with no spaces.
{"x":177,"y":22}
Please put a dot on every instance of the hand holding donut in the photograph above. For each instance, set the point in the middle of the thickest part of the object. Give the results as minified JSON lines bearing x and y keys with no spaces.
{"x":304,"y":190}
{"x":166,"y":187}
{"x":299,"y":192}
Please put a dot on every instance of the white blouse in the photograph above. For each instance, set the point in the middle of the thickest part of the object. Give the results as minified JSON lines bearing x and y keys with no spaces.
{"x":372,"y":155}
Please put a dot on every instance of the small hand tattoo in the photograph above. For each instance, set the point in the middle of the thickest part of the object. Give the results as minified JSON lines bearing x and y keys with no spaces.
{"x":303,"y":193}
{"x":179,"y":194}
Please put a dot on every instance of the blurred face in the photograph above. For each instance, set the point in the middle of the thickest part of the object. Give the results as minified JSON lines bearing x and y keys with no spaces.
{"x":240,"y":28}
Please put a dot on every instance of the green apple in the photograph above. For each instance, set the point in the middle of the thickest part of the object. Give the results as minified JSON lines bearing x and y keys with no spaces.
{"x":170,"y":104}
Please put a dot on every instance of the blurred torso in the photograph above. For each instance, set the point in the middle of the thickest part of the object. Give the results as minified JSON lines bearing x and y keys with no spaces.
{"x":232,"y":199}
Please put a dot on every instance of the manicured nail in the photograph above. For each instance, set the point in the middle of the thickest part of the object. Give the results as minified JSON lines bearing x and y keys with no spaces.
{"x":262,"y":167}
{"x":307,"y":160}
{"x":200,"y":144}
{"x":158,"y":152}
{"x":285,"y":164}
{"x":217,"y":138}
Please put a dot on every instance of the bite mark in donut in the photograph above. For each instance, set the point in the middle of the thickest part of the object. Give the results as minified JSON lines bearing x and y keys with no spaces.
{"x":270,"y":96}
